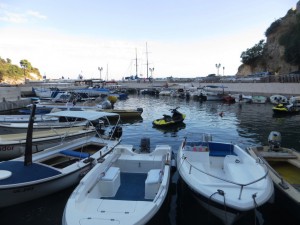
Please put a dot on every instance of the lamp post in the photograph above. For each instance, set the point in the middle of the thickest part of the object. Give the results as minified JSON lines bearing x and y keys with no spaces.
{"x":151,"y":71}
{"x":218,"y":65}
{"x":223,"y":70}
{"x":100,"y":69}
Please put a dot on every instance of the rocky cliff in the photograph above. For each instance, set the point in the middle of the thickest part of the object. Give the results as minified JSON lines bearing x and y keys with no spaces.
{"x":272,"y":59}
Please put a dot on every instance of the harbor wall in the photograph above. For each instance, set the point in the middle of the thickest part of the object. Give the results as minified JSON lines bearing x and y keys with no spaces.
{"x":10,"y":98}
{"x":266,"y":89}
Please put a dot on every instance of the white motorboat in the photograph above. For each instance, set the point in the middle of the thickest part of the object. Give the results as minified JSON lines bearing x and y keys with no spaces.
{"x":125,"y":188}
{"x":259,"y":99}
{"x":215,"y":92}
{"x":54,"y":169}
{"x":25,"y":118}
{"x":224,"y":178}
{"x":284,"y":168}
{"x":165,"y":92}
{"x":47,"y":93}
{"x":295,"y":101}
{"x":278,"y":99}
{"x":14,"y":128}
{"x":13,"y":145}
{"x":241,"y":98}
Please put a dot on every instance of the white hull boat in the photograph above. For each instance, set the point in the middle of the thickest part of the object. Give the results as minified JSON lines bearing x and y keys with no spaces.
{"x":224,"y":178}
{"x":25,"y":118}
{"x":47,"y":93}
{"x":284,"y":167}
{"x":54,"y":169}
{"x":259,"y":99}
{"x":215,"y":92}
{"x":125,"y":188}
{"x":13,"y":145}
{"x":278,"y":99}
{"x":295,"y":101}
{"x":13,"y":128}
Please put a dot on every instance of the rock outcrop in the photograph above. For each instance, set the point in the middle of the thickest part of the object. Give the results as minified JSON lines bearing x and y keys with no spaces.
{"x":272,"y":59}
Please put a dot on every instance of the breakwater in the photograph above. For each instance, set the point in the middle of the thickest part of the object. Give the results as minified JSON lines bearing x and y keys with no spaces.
{"x":266,"y":89}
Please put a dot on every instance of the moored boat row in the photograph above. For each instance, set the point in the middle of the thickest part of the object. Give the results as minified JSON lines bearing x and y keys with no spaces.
{"x":110,"y":175}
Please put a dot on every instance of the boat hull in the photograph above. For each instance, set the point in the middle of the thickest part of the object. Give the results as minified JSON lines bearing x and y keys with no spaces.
{"x":284,"y":168}
{"x":213,"y":171}
{"x":33,"y":190}
{"x":16,"y":148}
{"x":126,"y":188}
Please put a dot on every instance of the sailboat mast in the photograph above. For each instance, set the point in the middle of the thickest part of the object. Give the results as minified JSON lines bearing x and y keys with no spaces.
{"x":107,"y":72}
{"x":136,"y":65}
{"x":147,"y":59}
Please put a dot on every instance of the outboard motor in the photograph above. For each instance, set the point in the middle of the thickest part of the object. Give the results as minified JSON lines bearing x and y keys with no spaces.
{"x":274,"y":139}
{"x":145,"y":145}
{"x":140,"y":110}
{"x":98,"y":124}
{"x":116,"y":132}
{"x":106,"y":105}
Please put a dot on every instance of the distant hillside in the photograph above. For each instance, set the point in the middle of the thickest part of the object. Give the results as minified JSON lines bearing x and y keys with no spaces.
{"x":13,"y":74}
{"x":272,"y":59}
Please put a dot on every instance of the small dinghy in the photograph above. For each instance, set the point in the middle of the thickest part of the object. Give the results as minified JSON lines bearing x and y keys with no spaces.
{"x":284,"y":169}
{"x":223,"y":177}
{"x":124,"y":188}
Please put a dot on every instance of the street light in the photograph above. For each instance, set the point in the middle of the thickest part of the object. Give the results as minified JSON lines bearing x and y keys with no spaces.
{"x":151,"y":71}
{"x":223,"y":70}
{"x":218,"y":65}
{"x":100,"y":69}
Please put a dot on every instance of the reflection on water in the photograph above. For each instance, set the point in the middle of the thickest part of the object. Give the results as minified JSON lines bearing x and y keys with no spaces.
{"x":244,"y":124}
{"x":171,"y":129}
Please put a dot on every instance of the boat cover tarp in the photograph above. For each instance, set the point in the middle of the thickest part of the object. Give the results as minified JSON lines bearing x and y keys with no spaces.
{"x":81,"y":155}
{"x":88,"y":115}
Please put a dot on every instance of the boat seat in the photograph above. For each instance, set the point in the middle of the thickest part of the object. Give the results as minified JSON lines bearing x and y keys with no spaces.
{"x":220,"y":150}
{"x":76,"y":154}
{"x":152,"y":183}
{"x":110,"y":182}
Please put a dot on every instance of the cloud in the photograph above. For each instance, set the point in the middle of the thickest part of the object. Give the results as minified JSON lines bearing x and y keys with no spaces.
{"x":9,"y":15}
{"x":58,"y":54}
{"x":36,"y":14}
{"x":13,"y":17}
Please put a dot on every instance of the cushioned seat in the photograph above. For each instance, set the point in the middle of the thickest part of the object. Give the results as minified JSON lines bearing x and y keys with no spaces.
{"x":152,"y":183}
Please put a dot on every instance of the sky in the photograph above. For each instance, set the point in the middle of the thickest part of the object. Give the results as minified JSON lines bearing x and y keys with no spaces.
{"x":179,"y":38}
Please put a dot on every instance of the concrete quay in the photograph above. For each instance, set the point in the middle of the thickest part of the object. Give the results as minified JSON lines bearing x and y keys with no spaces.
{"x":266,"y":89}
{"x":11,"y":97}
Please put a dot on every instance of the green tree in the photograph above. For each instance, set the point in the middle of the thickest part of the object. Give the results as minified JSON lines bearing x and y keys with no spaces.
{"x":291,"y":42}
{"x":25,"y":64}
{"x":252,"y":55}
{"x":273,"y":28}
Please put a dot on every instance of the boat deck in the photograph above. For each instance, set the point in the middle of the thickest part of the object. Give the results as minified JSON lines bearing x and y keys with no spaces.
{"x":132,"y":187}
{"x":22,"y":174}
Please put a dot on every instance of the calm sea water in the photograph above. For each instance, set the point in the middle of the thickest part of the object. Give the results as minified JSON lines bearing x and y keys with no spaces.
{"x":244,"y":124}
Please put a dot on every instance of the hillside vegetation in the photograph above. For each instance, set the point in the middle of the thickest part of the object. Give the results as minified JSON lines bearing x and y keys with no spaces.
{"x":14,"y":74}
{"x":280,"y":53}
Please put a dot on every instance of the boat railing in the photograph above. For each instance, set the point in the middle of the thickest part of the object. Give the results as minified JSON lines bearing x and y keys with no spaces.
{"x":228,"y":181}
{"x":160,"y":192}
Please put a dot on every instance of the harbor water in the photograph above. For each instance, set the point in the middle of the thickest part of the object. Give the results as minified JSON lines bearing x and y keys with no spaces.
{"x":243,"y":124}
